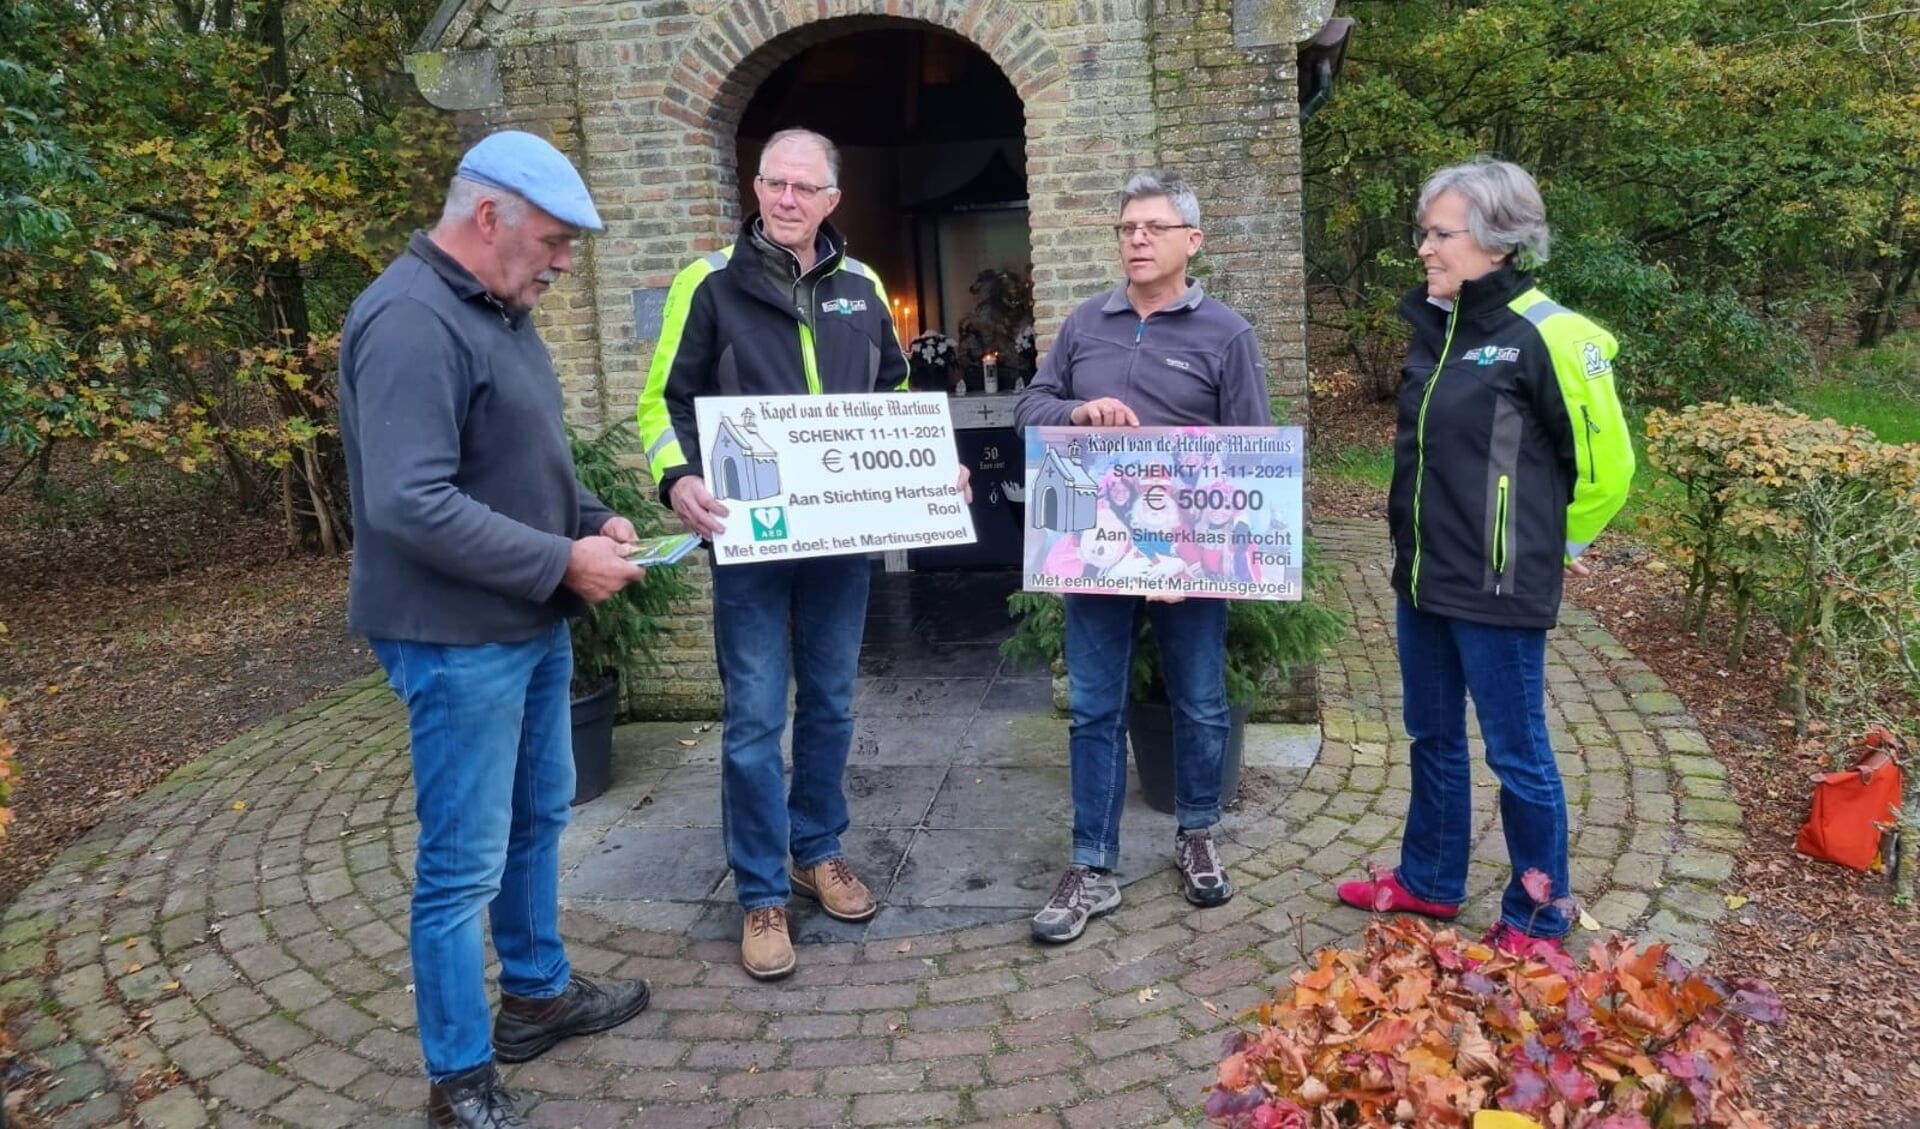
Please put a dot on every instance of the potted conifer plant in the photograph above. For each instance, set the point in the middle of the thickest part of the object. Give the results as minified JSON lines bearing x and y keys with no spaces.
{"x":612,"y":641}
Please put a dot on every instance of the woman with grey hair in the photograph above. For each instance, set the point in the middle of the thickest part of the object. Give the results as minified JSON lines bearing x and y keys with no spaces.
{"x":1510,"y":456}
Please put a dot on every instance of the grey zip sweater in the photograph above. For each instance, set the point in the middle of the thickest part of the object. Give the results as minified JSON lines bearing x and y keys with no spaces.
{"x":1194,"y":363}
{"x":465,"y":504}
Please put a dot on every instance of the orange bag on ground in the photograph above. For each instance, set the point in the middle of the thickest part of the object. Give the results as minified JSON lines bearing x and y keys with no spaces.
{"x":1849,"y":808}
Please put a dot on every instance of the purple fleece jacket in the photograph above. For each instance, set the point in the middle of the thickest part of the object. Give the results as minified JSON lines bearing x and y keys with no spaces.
{"x":1194,"y":363}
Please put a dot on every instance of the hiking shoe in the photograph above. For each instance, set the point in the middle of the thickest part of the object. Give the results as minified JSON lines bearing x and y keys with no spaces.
{"x":766,"y":951}
{"x":1201,"y":872}
{"x":1506,"y":939}
{"x":1383,"y":893}
{"x":527,"y":1027}
{"x":833,"y":885}
{"x":472,"y":1099}
{"x":1082,"y":893}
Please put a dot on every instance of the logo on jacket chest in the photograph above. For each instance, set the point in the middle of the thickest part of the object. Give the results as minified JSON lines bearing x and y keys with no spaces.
{"x":1595,"y":360}
{"x":844,"y":306}
{"x":1489,"y":354}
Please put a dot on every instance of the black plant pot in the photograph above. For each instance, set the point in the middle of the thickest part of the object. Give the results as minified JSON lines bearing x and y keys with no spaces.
{"x":1150,"y":732}
{"x":593,"y":741}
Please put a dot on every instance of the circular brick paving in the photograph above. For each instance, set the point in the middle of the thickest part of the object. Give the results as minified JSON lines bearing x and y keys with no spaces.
{"x":230,"y":949}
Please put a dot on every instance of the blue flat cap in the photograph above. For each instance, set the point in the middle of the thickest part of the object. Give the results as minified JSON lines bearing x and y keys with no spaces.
{"x":527,"y":164}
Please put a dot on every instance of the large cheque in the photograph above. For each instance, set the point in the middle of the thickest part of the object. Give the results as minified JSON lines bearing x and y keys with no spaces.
{"x":815,"y":476}
{"x":1197,"y":511}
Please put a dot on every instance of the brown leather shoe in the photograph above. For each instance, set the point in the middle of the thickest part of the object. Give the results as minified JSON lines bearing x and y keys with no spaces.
{"x":765,"y":949}
{"x":528,"y":1027}
{"x":472,"y":1100}
{"x":833,"y":885}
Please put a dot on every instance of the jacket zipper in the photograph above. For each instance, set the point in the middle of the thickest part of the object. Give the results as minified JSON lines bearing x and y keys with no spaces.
{"x":1420,"y":444}
{"x":807,"y":359}
{"x":1593,"y":471}
{"x":1500,"y":532}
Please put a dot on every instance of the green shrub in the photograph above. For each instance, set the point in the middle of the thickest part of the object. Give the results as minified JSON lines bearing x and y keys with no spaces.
{"x":1679,"y":343}
{"x":614,"y":637}
{"x":1813,"y":522}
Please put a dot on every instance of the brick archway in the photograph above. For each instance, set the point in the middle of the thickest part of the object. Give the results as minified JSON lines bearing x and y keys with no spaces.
{"x":727,"y":60}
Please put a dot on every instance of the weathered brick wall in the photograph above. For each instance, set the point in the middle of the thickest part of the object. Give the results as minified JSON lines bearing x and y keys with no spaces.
{"x":647,"y":96}
{"x":1227,"y":116}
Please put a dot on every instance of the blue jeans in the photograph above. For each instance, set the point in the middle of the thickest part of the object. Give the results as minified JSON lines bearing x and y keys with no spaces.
{"x":1192,"y":638}
{"x":1442,"y":660}
{"x":801,"y":619}
{"x":492,"y":778}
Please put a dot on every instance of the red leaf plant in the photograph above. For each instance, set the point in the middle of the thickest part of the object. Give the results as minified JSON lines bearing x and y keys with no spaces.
{"x":1421,"y":1027}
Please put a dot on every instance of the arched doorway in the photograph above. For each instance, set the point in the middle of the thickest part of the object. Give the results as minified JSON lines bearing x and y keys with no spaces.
{"x":934,"y":190}
{"x":933,"y":182}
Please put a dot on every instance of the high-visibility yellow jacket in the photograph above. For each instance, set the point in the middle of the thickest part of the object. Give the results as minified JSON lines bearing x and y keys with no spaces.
{"x":748,"y":321}
{"x":1511,"y":453}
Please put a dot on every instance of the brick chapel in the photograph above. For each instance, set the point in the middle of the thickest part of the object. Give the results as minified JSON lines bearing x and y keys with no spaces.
{"x":981,"y":140}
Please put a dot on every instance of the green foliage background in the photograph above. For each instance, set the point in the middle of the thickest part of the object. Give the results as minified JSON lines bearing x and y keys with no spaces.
{"x":190,"y":195}
{"x":1717,"y":172}
{"x":191,"y":192}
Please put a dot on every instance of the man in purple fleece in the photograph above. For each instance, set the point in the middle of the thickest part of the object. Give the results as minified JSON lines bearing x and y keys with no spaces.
{"x":1153,"y":352}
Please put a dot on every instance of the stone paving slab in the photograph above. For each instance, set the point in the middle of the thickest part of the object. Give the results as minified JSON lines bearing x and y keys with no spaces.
{"x":229,"y":949}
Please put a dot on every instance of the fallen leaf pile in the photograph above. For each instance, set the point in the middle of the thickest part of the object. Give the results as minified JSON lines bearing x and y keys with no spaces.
{"x":1423,"y":1028}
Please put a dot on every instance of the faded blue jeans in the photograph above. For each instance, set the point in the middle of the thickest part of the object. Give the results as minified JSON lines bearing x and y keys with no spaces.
{"x":773,"y":621}
{"x":1192,"y":638}
{"x":492,"y":777}
{"x":1442,"y":661}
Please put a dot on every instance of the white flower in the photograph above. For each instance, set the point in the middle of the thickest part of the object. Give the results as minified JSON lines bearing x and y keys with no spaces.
{"x":932,"y":348}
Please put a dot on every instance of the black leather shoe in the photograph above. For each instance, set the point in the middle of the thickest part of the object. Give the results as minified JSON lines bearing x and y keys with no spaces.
{"x":473,"y":1100}
{"x":526,"y":1027}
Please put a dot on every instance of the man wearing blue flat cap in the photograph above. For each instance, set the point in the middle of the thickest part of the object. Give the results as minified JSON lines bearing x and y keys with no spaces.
{"x":473,"y":543}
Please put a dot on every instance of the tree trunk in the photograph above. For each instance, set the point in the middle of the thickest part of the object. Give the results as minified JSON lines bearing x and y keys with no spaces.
{"x":1906,"y":854}
{"x":1793,"y":695}
{"x":1893,"y":275}
{"x":1742,"y":614}
{"x":1707,"y":589}
{"x":316,"y":511}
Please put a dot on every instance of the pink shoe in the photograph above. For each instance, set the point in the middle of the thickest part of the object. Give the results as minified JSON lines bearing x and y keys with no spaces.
{"x":1384,"y":894}
{"x":1505,"y":938}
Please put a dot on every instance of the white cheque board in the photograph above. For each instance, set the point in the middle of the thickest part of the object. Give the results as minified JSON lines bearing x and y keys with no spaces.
{"x":815,"y":476}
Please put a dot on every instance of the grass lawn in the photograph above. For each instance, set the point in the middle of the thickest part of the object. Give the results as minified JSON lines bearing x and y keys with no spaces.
{"x":1891,"y":418}
{"x":1877,"y":388}
{"x":1368,"y":466}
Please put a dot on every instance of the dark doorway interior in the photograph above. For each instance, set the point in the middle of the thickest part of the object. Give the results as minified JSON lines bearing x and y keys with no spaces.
{"x":933,"y":168}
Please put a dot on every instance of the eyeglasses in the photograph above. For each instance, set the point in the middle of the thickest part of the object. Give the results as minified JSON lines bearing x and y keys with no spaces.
{"x":1154,"y":230}
{"x":801,"y":189}
{"x":1437,"y":234}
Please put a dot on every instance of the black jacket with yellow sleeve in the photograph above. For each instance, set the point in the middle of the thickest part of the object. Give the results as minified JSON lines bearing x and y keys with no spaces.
{"x":1510,"y":454}
{"x":749,"y":321}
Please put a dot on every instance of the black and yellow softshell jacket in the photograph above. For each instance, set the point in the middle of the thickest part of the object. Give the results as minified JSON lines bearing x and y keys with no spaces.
{"x":1511,"y":453}
{"x":746,"y":321}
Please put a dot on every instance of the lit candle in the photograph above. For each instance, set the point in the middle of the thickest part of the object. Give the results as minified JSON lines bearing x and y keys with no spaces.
{"x":990,"y":372}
